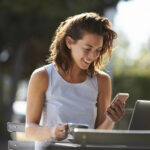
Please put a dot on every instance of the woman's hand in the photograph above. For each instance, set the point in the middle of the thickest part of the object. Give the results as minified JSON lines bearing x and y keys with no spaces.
{"x":60,"y":132}
{"x":116,"y":111}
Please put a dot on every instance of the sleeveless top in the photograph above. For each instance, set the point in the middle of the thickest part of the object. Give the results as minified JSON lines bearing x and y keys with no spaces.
{"x":67,"y":102}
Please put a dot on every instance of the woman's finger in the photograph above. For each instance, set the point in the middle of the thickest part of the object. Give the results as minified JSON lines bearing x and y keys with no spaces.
{"x":115,"y":109}
{"x":112,"y":114}
{"x":61,"y":132}
{"x":118,"y":111}
{"x":111,"y":117}
{"x":120,"y":105}
{"x":121,"y":109}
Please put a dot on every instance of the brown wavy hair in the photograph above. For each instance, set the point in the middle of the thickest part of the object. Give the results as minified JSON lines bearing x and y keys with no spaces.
{"x":75,"y":27}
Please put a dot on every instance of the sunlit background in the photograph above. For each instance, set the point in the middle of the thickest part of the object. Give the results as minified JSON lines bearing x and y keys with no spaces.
{"x":26,"y":30}
{"x":131,"y":60}
{"x":132,"y":18}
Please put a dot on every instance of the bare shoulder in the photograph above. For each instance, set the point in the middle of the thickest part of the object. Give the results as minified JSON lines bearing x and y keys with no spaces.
{"x":103,"y":77}
{"x":40,"y":73}
{"x":104,"y":80}
{"x":40,"y":77}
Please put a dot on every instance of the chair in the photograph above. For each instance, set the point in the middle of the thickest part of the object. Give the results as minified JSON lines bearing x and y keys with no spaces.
{"x":15,"y":144}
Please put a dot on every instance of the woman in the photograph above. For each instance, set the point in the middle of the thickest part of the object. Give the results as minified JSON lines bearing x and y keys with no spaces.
{"x":71,"y":88}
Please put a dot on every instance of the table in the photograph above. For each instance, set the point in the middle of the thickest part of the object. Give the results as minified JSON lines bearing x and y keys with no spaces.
{"x":90,"y":139}
{"x":72,"y":146}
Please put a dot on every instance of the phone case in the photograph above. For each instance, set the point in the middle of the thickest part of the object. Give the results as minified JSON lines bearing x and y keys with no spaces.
{"x":121,"y":96}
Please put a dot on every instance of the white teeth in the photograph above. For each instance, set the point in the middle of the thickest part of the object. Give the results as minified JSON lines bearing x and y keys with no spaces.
{"x":88,"y":62}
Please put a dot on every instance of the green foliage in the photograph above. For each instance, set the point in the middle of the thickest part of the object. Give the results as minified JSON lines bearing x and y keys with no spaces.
{"x":137,"y":86}
{"x":131,"y":75}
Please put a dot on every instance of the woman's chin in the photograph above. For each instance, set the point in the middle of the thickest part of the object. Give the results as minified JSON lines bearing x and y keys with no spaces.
{"x":85,"y":67}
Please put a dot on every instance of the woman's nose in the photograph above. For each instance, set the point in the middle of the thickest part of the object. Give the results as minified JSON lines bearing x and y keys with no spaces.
{"x":92,"y":56}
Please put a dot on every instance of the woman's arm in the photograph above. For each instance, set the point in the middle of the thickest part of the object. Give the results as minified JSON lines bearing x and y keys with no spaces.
{"x":107,"y":114}
{"x":103,"y":102}
{"x":35,"y":98}
{"x":38,"y":85}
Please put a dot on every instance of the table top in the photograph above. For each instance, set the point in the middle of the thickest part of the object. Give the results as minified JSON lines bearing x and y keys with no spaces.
{"x":72,"y":146}
{"x":104,"y":140}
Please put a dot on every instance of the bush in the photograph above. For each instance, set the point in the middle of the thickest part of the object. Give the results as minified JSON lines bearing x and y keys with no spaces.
{"x":137,"y":86}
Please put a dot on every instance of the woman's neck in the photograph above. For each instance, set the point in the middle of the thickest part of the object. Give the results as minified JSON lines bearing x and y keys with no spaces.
{"x":73,"y":75}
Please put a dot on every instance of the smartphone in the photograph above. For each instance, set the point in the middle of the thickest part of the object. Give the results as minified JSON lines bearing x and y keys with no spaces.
{"x":121,"y":96}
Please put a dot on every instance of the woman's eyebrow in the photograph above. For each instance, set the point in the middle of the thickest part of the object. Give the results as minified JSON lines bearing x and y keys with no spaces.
{"x":89,"y":45}
{"x":92,"y":46}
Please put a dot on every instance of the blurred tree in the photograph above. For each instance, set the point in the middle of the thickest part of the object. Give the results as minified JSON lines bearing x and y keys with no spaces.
{"x":120,"y":56}
{"x":126,"y":65}
{"x":141,"y":65}
{"x":131,"y":75}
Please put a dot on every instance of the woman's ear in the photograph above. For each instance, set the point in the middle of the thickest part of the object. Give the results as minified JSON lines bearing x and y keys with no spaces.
{"x":69,"y":42}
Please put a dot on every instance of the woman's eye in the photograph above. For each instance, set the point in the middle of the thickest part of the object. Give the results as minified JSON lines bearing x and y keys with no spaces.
{"x":98,"y":51}
{"x":87,"y":49}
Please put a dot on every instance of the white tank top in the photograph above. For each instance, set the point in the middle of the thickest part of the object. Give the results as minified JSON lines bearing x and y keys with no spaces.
{"x":67,"y":102}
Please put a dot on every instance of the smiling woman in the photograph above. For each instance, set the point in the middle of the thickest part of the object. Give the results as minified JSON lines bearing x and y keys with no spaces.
{"x":71,"y":89}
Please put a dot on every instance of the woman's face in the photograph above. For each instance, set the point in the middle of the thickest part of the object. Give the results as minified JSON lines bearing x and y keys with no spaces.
{"x":86,"y":50}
